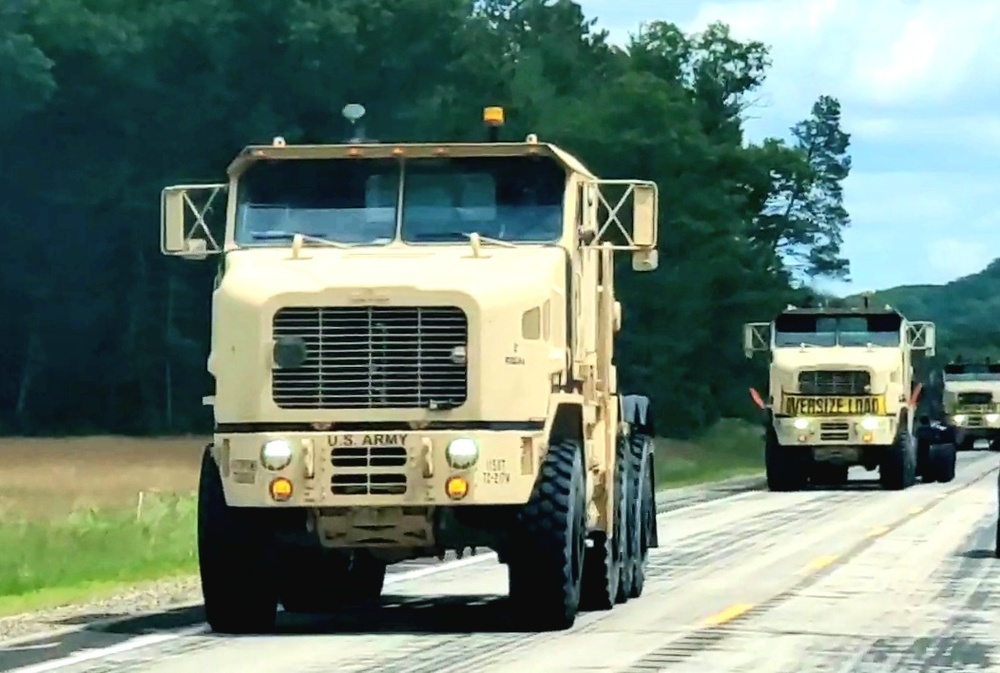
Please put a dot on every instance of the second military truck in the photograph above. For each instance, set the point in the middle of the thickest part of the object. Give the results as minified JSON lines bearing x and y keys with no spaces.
{"x":841,"y":394}
{"x":972,"y":402}
{"x":412,"y":349}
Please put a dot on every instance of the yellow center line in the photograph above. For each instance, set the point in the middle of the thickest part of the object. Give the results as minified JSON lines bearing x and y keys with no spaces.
{"x":916,"y":510}
{"x":727,"y":615}
{"x":819,"y":563}
{"x":875,"y":532}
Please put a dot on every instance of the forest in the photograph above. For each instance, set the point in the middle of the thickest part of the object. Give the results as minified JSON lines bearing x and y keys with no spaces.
{"x":105,"y":102}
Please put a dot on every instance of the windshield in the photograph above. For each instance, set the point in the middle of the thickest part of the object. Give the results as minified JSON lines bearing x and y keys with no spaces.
{"x":513,"y":199}
{"x":343,"y":201}
{"x":825,"y":330}
{"x":973,"y":371}
{"x":516,"y":199}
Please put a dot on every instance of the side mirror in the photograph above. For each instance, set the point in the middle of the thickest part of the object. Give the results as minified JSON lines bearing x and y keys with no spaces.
{"x":756,"y":338}
{"x":922,"y":336}
{"x":645,"y":214}
{"x":605,"y":203}
{"x":176,"y":238}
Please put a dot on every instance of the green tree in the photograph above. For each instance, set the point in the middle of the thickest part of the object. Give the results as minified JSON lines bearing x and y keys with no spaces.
{"x":113,"y":99}
{"x":805,"y":217}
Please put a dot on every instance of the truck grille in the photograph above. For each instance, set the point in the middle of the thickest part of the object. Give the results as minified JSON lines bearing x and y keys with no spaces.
{"x":822,"y":382}
{"x":834,"y":431}
{"x":364,"y":470}
{"x":975,"y":398}
{"x":372,"y":357}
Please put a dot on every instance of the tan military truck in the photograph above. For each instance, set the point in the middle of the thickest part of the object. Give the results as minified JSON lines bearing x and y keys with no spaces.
{"x":412,"y":352}
{"x":972,"y":402}
{"x":841,"y":394}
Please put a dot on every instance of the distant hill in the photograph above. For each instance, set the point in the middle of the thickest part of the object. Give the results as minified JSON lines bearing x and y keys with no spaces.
{"x":966,"y":311}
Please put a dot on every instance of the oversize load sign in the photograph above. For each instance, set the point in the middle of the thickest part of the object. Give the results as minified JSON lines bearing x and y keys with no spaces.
{"x":813,"y":405}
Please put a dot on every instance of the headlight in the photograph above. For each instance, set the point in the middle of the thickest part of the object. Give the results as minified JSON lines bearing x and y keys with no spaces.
{"x":276,"y":454}
{"x":462,"y":453}
{"x":801,"y":423}
{"x":869,"y":423}
{"x":992,"y":418}
{"x":959,"y":419}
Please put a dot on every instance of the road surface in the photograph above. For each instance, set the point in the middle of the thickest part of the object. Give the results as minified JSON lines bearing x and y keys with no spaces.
{"x":855,"y":579}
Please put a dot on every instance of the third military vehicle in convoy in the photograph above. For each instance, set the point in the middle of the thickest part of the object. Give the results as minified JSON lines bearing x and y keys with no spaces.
{"x":972,"y":402}
{"x":412,"y":350}
{"x":841,"y":394}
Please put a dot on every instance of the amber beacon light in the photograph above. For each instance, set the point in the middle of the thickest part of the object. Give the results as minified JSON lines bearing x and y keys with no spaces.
{"x":493,"y":116}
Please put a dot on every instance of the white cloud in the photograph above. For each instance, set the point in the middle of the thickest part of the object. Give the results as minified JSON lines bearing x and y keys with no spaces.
{"x":884,"y":54}
{"x":915,"y":78}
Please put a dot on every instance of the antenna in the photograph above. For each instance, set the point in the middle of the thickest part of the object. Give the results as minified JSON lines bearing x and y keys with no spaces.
{"x":353,"y":112}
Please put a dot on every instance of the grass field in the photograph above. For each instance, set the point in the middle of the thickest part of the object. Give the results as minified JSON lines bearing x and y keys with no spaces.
{"x":73,"y":524}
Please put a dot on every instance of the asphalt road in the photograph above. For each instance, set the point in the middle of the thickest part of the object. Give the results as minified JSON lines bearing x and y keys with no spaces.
{"x":855,"y":579}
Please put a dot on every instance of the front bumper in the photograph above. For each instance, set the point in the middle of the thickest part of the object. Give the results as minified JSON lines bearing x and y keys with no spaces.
{"x":835,"y":431}
{"x":981,"y":425}
{"x":344,"y":469}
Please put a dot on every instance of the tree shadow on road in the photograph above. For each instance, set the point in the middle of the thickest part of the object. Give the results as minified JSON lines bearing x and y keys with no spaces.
{"x":459,"y":614}
{"x":395,"y":614}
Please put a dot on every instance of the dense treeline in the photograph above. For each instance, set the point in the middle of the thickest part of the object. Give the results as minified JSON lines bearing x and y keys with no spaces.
{"x":103,"y":102}
{"x":964,"y":310}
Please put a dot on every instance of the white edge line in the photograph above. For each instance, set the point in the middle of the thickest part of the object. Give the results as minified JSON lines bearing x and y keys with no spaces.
{"x":147,"y":640}
{"x":84,"y":656}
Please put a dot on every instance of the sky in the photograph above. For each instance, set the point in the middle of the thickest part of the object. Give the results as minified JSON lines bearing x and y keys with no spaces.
{"x":917,"y":83}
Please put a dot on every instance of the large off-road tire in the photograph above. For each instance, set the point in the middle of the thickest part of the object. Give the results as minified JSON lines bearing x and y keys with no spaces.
{"x":546,"y":566}
{"x":941,"y":463}
{"x":630,"y":522}
{"x":322,"y":581}
{"x":898,"y":469}
{"x":605,"y":562}
{"x":967,"y":443}
{"x":236,"y":560}
{"x":925,"y":471}
{"x":996,"y":549}
{"x":786,"y":467}
{"x":643,"y":506}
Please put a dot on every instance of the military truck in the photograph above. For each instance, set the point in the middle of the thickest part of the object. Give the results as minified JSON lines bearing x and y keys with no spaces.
{"x":972,"y":402}
{"x":841,"y":395}
{"x":412,"y":353}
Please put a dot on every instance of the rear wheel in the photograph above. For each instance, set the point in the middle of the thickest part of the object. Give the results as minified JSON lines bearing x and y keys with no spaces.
{"x":546,"y":571}
{"x":235,"y":559}
{"x":941,"y":463}
{"x":640,"y":455}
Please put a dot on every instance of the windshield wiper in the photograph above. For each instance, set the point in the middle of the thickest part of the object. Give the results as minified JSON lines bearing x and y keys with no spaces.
{"x":459,"y":235}
{"x":276,"y":235}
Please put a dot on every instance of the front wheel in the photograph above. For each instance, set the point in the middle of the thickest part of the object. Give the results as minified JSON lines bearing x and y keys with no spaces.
{"x":898,"y":469}
{"x":546,"y":571}
{"x":785,"y":465}
{"x":235,"y":559}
